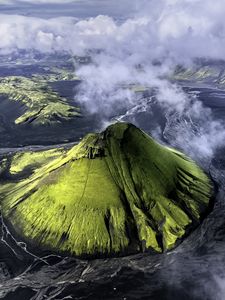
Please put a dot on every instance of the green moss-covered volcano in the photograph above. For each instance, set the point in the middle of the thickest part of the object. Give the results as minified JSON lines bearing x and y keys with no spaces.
{"x":116,"y":192}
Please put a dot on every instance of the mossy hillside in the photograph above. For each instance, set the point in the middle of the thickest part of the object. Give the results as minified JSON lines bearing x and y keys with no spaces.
{"x":213,"y":74}
{"x":43,"y":106}
{"x":32,"y":160}
{"x":115,"y":192}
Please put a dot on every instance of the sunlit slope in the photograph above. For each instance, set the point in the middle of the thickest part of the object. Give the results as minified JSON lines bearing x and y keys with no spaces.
{"x":201,"y":72}
{"x":116,"y":192}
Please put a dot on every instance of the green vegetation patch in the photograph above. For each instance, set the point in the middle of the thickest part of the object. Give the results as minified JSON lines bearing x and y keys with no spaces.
{"x":32,"y":160}
{"x":212,"y":74}
{"x":43,"y":106}
{"x":117,"y":192}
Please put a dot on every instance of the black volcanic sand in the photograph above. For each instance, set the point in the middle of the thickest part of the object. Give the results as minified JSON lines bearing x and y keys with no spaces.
{"x":213,"y":98}
{"x":12,"y":135}
{"x":195,"y":270}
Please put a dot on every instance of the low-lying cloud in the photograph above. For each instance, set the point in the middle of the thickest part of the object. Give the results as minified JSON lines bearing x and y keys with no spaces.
{"x":159,"y":29}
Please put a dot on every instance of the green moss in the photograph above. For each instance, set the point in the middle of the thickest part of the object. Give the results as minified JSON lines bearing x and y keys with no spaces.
{"x":28,"y":160}
{"x":43,"y":105}
{"x":197,"y":73}
{"x":59,"y":74}
{"x":115,"y":192}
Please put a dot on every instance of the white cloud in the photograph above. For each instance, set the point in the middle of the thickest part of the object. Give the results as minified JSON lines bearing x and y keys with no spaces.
{"x":160,"y":28}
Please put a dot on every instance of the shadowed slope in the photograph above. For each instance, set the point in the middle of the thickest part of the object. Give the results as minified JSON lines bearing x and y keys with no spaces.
{"x":114,"y":192}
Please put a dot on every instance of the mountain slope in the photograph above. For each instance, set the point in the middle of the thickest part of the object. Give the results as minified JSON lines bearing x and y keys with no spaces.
{"x":116,"y":192}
